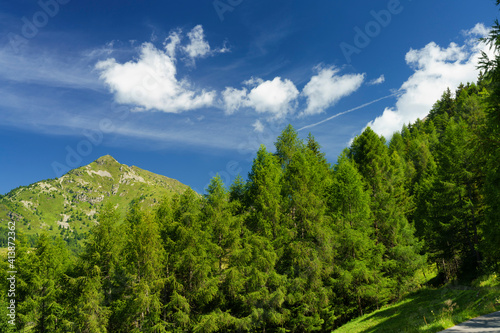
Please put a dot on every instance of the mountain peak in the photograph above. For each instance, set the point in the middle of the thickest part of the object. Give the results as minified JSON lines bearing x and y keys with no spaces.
{"x":106,"y":159}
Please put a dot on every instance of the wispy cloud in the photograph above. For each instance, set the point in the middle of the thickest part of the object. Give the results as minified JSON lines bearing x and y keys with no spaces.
{"x":46,"y":69}
{"x":234,"y":99}
{"x":258,"y":126}
{"x":379,"y":80}
{"x":198,"y":46}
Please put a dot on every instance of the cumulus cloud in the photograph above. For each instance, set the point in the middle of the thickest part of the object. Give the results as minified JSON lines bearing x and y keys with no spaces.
{"x":276,"y":97}
{"x":326,"y":88}
{"x":435,"y":68}
{"x":379,"y":80}
{"x":280,"y":97}
{"x":150,"y":82}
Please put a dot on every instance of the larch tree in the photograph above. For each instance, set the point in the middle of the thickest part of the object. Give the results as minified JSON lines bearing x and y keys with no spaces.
{"x":384,"y":175}
{"x":359,"y":282}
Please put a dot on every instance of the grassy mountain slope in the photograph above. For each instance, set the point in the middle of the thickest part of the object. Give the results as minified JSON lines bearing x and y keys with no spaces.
{"x":72,"y":202}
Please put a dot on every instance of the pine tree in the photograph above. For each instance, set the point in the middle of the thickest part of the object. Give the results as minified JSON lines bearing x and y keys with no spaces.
{"x":191,"y":281}
{"x":287,"y":144}
{"x":238,"y":194}
{"x":91,"y":316}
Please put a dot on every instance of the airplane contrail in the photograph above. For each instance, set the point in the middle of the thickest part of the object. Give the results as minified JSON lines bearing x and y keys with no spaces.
{"x":350,"y":110}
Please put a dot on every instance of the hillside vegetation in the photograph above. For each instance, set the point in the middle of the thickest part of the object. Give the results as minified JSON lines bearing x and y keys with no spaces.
{"x":70,"y":205}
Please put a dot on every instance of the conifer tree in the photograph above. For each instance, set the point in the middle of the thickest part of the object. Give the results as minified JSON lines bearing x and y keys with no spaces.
{"x":456,"y":202}
{"x":491,"y":146}
{"x":41,"y":309}
{"x":264,"y":195}
{"x":96,"y":273}
{"x":144,"y":256}
{"x":191,"y":281}
{"x":217,"y":214}
{"x":384,"y":177}
{"x":359,"y":283}
{"x":306,"y":257}
{"x":287,"y":144}
{"x":91,"y":316}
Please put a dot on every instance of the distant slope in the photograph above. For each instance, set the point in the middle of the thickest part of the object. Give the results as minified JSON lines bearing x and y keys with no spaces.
{"x":72,"y":202}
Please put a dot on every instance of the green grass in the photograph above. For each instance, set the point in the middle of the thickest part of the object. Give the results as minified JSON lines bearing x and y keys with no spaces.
{"x":432,"y":309}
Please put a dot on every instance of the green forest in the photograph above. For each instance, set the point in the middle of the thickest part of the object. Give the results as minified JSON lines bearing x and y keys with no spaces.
{"x":300,"y":245}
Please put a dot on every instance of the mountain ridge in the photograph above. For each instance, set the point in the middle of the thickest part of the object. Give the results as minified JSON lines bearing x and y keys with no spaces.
{"x":72,"y":201}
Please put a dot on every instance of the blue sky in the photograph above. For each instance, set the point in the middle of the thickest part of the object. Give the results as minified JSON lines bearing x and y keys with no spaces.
{"x":189,"y":89}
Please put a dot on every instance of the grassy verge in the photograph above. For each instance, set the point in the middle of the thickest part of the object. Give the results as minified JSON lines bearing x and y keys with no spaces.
{"x":432,"y":310}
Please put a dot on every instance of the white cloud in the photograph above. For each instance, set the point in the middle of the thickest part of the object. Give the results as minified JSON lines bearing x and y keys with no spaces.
{"x":435,"y":69}
{"x":379,"y":80}
{"x":280,"y":97}
{"x":479,"y":30}
{"x":198,"y":46}
{"x":150,"y":81}
{"x":258,"y":126}
{"x":171,"y":43}
{"x":276,"y":97}
{"x":234,"y":99}
{"x":326,"y":88}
